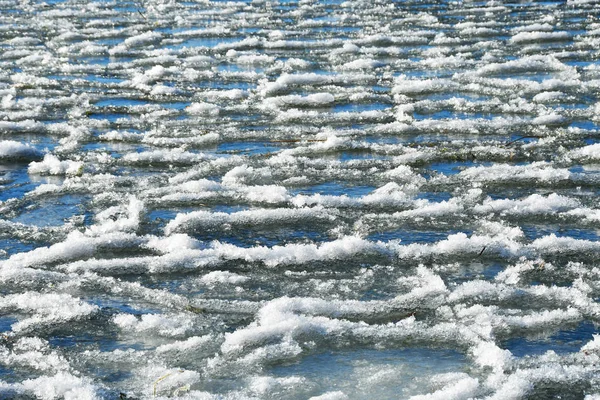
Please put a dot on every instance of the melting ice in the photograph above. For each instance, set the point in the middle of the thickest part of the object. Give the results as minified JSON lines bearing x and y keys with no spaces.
{"x":299,"y":199}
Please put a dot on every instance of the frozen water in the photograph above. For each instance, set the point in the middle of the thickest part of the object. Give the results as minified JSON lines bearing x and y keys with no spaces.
{"x":299,"y":199}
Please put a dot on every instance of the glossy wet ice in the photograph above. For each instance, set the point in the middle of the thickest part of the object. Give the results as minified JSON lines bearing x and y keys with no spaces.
{"x":299,"y":199}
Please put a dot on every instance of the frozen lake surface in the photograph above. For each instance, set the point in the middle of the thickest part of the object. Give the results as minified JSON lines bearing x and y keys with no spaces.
{"x":299,"y":199}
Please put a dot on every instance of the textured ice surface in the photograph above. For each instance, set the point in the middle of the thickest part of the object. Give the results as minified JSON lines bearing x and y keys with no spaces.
{"x":299,"y":199}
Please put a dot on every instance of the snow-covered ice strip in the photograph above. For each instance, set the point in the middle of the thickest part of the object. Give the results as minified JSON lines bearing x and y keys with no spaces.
{"x":199,"y":220}
{"x":46,"y":309}
{"x":12,"y":150}
{"x":180,"y":252}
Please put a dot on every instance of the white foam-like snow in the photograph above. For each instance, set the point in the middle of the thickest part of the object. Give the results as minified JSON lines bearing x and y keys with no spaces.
{"x":365,"y":63}
{"x":529,"y":37}
{"x":175,"y":325}
{"x":536,"y":171}
{"x":534,"y":204}
{"x":586,"y":153}
{"x":52,"y":165}
{"x":77,"y":245}
{"x":312,"y":100}
{"x":302,"y":253}
{"x":11,"y":150}
{"x":548,"y":97}
{"x":63,"y":385}
{"x":524,"y":64}
{"x":203,"y":109}
{"x":198,"y":220}
{"x":46,"y":309}
{"x":164,"y":156}
{"x":223,"y":277}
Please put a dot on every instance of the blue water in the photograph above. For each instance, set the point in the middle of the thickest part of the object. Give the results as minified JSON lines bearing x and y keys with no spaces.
{"x":54,"y":211}
{"x":561,"y":342}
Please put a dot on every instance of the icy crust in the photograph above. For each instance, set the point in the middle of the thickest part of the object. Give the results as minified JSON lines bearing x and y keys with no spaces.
{"x":296,"y":321}
{"x":180,"y":252}
{"x":47,"y":309}
{"x":538,"y":171}
{"x":525,"y":37}
{"x":290,"y":319}
{"x":51,"y":165}
{"x":589,"y":153}
{"x":11,"y":150}
{"x":205,"y":219}
{"x":60,"y":386}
